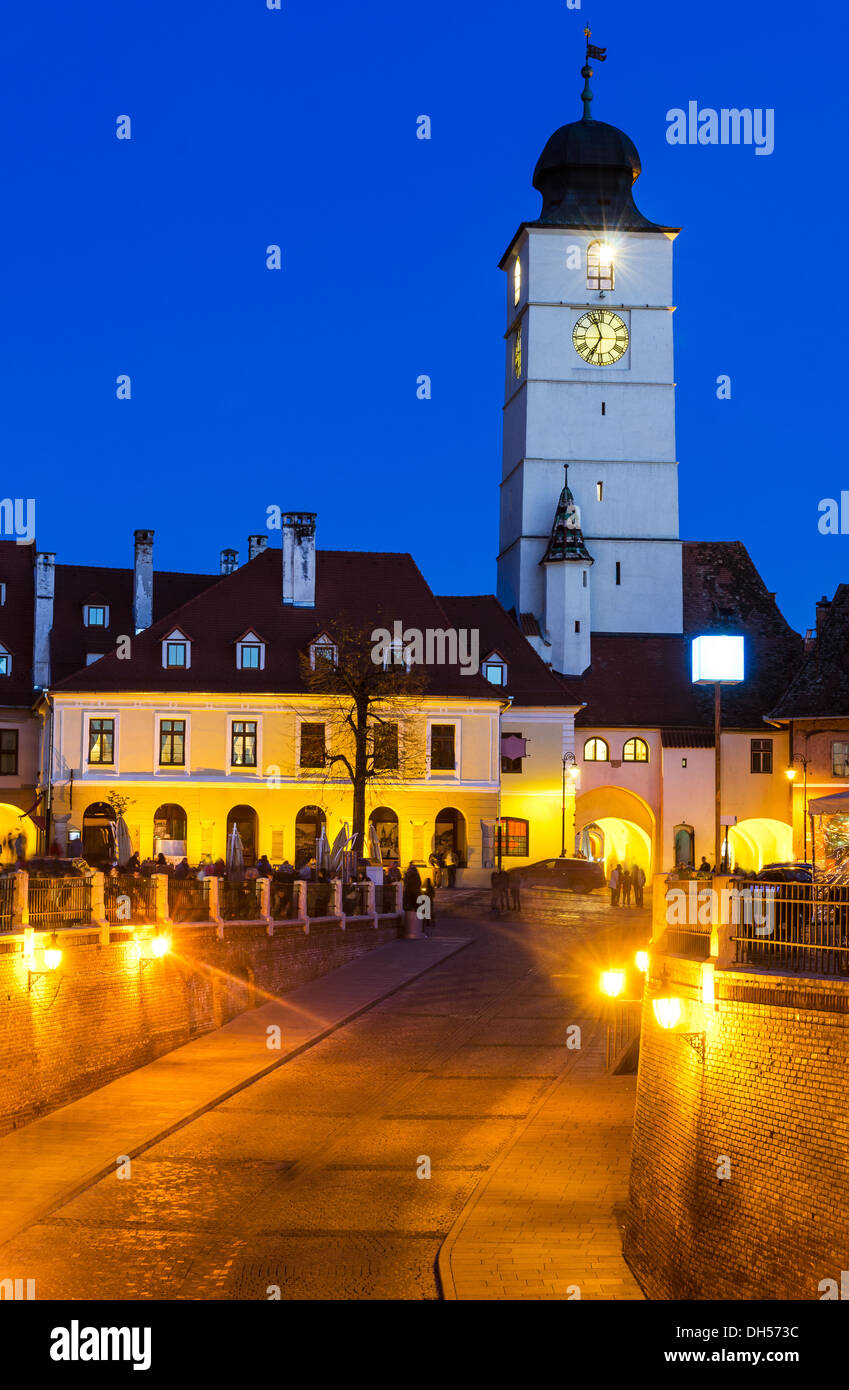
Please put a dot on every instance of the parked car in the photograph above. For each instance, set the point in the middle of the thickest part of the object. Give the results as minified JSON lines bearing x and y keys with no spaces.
{"x":581,"y":875}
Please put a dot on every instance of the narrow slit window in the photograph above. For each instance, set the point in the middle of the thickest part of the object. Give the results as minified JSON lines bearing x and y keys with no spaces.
{"x":618,"y":572}
{"x":577,"y":625}
{"x":599,"y":490}
{"x":604,"y":407}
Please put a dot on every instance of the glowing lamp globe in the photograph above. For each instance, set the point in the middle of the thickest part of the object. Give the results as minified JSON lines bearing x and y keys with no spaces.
{"x":612,"y":983}
{"x":641,"y":960}
{"x":667,"y":1011}
{"x":718,"y":660}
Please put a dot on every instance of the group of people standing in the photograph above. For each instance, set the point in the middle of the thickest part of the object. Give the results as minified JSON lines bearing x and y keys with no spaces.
{"x":444,"y":865}
{"x":623,"y":881}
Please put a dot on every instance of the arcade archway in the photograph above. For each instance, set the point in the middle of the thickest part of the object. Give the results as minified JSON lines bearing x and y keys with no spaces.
{"x":615,"y":825}
{"x":759,"y":841}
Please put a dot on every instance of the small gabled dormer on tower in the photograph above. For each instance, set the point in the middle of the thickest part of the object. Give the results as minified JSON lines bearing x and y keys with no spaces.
{"x":566,"y":564}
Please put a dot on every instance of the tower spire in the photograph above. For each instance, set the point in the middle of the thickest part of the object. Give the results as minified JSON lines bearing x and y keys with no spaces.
{"x":586,"y":72}
{"x":567,"y":539}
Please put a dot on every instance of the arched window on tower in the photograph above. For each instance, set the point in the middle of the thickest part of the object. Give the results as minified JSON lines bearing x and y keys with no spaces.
{"x":517,"y":280}
{"x":600,"y":274}
{"x":596,"y":751}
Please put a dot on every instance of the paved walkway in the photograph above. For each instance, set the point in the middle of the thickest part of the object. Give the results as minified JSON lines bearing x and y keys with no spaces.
{"x":53,"y":1159}
{"x":545,"y":1223}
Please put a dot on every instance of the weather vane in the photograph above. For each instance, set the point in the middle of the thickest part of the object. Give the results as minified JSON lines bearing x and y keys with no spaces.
{"x":586,"y":72}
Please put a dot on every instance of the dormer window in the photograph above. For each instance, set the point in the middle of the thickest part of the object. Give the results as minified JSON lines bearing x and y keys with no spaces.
{"x":323,"y":651}
{"x":494,"y":669}
{"x":397,"y":654}
{"x":176,"y":651}
{"x":5,"y":661}
{"x":96,"y":615}
{"x":600,"y":274}
{"x":250,"y":653}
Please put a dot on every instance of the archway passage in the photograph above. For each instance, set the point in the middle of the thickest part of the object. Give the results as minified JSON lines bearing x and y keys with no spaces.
{"x":759,"y":841}
{"x":99,"y":836}
{"x":13,"y":822}
{"x":244,"y":819}
{"x":170,"y":831}
{"x":385,"y":823}
{"x":449,"y":832}
{"x":619,"y":826}
{"x":308,"y":826}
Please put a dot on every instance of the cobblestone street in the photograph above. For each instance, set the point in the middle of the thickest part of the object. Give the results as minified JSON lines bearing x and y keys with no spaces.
{"x":307,"y":1179}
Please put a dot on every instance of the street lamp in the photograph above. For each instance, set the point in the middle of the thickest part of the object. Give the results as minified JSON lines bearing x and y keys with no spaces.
{"x":718,"y":660}
{"x":570,"y":770}
{"x":791,"y":774}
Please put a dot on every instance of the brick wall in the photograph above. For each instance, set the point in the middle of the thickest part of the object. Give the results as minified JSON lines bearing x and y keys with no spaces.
{"x":103,"y":1013}
{"x":770,"y":1095}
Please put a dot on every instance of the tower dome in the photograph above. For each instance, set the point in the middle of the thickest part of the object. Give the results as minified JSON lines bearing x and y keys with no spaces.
{"x":586,"y":174}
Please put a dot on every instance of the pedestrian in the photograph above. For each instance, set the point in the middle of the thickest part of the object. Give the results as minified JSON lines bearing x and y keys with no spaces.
{"x":412,"y":888}
{"x":495,"y":885}
{"x":504,"y":890}
{"x":429,"y":922}
{"x":515,"y":890}
{"x":182,"y":869}
{"x":20,"y":847}
{"x":704,"y":870}
{"x":638,"y":878}
{"x":263,"y":867}
{"x":436,"y":868}
{"x":451,"y":862}
{"x":626,"y":887}
{"x":614,"y":883}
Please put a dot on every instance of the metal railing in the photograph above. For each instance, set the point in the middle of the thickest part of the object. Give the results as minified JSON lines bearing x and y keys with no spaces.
{"x":793,"y":926}
{"x":386,"y":897}
{"x":127,"y":898}
{"x":188,"y":900}
{"x":320,"y":900}
{"x":59,"y":902}
{"x":7,"y":901}
{"x":355,"y":899}
{"x":239,"y":902}
{"x":283,"y":901}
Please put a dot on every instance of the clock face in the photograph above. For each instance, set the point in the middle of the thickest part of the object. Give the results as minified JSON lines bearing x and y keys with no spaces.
{"x":600,"y":337}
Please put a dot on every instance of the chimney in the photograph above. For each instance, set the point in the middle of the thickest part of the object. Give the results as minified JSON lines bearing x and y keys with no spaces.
{"x":298,"y":530}
{"x":822,"y":613}
{"x":256,"y":545}
{"x":45,"y":571}
{"x":143,"y":581}
{"x":229,"y":561}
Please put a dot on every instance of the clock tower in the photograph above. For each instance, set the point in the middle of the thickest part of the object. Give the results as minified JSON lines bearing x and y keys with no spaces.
{"x":589,"y":386}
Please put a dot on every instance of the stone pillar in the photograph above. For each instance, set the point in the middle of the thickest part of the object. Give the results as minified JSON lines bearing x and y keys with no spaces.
{"x":98,"y":903}
{"x":337,"y":902}
{"x":399,"y":897}
{"x":213,"y":899}
{"x":724,"y":926}
{"x":265,"y":904}
{"x":20,"y":900}
{"x":370,"y":902}
{"x":300,"y":903}
{"x":160,"y":899}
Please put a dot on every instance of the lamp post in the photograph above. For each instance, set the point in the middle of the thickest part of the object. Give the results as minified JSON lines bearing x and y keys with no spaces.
{"x":718,"y":660}
{"x":791,"y":775}
{"x":570,"y":769}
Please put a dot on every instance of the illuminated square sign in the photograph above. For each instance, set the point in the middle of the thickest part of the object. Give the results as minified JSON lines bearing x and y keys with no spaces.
{"x":717,"y":660}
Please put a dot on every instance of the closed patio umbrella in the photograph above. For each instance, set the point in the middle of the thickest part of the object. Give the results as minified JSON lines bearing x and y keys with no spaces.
{"x":125,"y":844}
{"x":374,"y":843}
{"x":322,"y":850}
{"x":338,"y":850}
{"x":235,"y":854}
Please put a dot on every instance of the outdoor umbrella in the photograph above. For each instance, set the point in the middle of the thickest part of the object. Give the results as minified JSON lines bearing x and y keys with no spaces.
{"x":322,"y":850}
{"x":374,"y":843}
{"x":235,"y":854}
{"x":125,"y":845}
{"x":338,"y":850}
{"x":586,"y":847}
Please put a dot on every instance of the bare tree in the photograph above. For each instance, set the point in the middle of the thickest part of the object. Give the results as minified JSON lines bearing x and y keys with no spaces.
{"x":371,"y":709}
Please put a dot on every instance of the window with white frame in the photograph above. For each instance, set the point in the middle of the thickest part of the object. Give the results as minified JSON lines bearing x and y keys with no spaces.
{"x":172,"y":742}
{"x":5,"y":661}
{"x":176,"y":651}
{"x":443,"y":753}
{"x":101,"y":741}
{"x":494,"y":669}
{"x":96,"y":615}
{"x":250,"y":653}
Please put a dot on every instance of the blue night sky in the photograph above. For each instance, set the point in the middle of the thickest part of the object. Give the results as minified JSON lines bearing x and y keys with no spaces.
{"x":299,"y":388}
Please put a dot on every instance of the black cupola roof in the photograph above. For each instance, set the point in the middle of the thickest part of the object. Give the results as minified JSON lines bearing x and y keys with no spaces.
{"x":586,"y":175}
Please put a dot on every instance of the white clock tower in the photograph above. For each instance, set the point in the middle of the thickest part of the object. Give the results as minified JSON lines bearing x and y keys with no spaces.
{"x":589,"y":385}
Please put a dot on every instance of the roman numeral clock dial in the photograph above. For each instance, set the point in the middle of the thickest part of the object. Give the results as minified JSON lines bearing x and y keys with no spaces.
{"x":600,"y":337}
